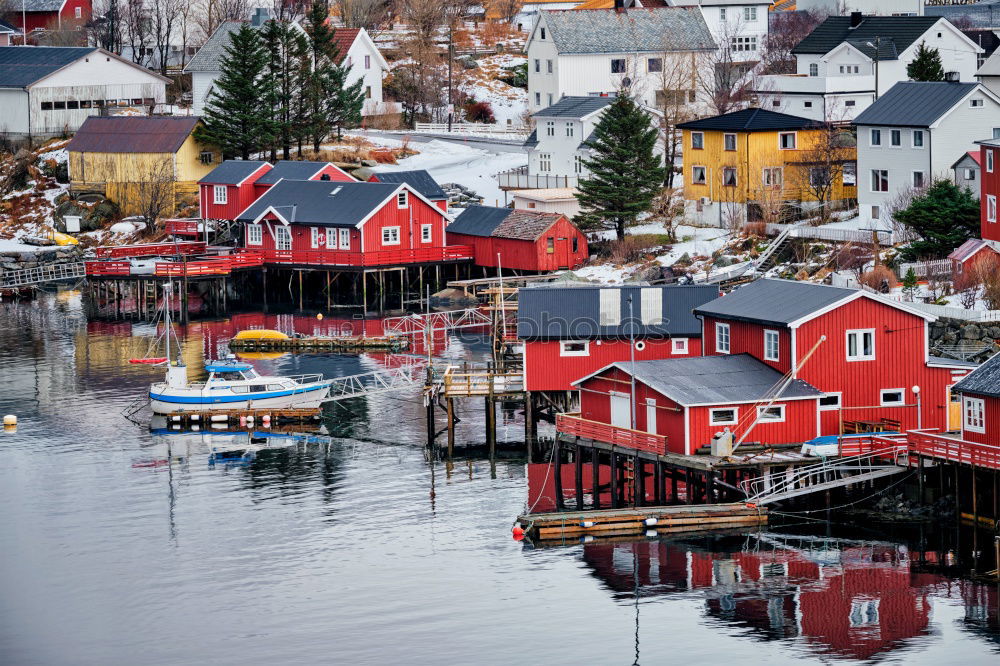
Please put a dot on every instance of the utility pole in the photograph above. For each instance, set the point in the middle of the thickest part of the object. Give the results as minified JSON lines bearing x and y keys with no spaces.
{"x":451,"y":59}
{"x":876,"y":47}
{"x":631,"y":345}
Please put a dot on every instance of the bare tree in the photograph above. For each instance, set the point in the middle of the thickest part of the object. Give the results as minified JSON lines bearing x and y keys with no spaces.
{"x":786,"y":30}
{"x":154,"y":194}
{"x":372,"y":15}
{"x":217,"y":12}
{"x":818,"y":173}
{"x":725,"y":79}
{"x":506,"y":10}
{"x":137,"y":30}
{"x":675,"y":97}
{"x":164,"y":17}
{"x":106,"y":26}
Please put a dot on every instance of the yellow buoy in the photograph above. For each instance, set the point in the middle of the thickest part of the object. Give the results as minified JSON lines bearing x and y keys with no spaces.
{"x":319,"y":315}
{"x":10,"y":420}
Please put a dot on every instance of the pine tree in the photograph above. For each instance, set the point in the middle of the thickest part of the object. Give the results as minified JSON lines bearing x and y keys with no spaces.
{"x":237,"y":116}
{"x":625,"y":172}
{"x":944,"y":216}
{"x":926,"y":65}
{"x":910,"y":284}
{"x":285,"y":45}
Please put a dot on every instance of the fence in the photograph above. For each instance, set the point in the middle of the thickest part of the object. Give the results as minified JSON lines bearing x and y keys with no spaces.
{"x":953,"y":312}
{"x":520,"y":179}
{"x":885,"y":238}
{"x":572,"y":424}
{"x":510,"y":131}
{"x":924,"y":269}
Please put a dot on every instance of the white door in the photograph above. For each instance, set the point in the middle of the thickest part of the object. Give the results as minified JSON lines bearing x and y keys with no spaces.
{"x":621,"y":411}
{"x":282,"y":238}
{"x":651,"y":416}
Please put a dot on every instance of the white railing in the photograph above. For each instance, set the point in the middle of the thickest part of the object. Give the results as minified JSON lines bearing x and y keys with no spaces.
{"x":370,"y":383}
{"x":419,"y":324}
{"x":951,"y":312}
{"x":885,"y":238}
{"x":927,"y":268}
{"x":512,"y":131}
{"x":520,"y":179}
{"x":26,"y":277}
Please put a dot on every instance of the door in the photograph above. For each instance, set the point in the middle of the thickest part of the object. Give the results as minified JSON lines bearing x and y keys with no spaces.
{"x":282,"y":238}
{"x":954,"y":411}
{"x":562,"y":253}
{"x":621,"y":410}
{"x":651,"y":416}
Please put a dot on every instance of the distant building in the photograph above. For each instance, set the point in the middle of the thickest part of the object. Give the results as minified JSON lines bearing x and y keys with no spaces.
{"x":980,"y":392}
{"x":966,"y":172}
{"x":548,"y":200}
{"x":48,"y":15}
{"x":867,"y":7}
{"x":8,"y":33}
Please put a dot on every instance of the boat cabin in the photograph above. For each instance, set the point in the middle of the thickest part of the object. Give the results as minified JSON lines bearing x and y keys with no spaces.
{"x":231,"y":371}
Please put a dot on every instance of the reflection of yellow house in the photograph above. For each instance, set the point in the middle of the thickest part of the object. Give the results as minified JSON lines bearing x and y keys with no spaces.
{"x":753,"y":163}
{"x":131,"y":159}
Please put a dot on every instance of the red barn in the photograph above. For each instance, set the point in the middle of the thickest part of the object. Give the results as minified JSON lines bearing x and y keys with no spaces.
{"x":309,"y":222}
{"x":228,"y":189}
{"x":980,"y":392}
{"x":867,"y":353}
{"x":525,"y":240}
{"x":50,"y":14}
{"x":418,"y":179}
{"x":571,"y":332}
{"x":300,"y":170}
{"x":691,"y":399}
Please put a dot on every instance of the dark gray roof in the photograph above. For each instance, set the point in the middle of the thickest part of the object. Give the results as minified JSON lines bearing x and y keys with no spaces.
{"x":291,"y":170}
{"x":895,"y":33}
{"x":208,"y":56}
{"x":232,"y":172}
{"x":39,"y":5}
{"x":914,"y":103}
{"x":20,"y":66}
{"x":532,"y":139}
{"x":573,"y":313}
{"x":418,"y":179}
{"x":716,"y":380}
{"x":750,"y":120}
{"x":573,"y":107}
{"x":778,"y":302}
{"x":8,"y":28}
{"x":650,"y":30}
{"x":984,"y":380}
{"x":321,"y":202}
{"x":479,"y":220}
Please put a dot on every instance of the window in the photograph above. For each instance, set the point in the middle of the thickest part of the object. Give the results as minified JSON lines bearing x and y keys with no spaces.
{"x":829,"y":402}
{"x":861,"y":345}
{"x":698,"y":175}
{"x":876,"y":212}
{"x":368,"y":62}
{"x":771,"y":345}
{"x":78,"y":12}
{"x":773,"y":414}
{"x":345,"y":239}
{"x":610,"y":307}
{"x":819,"y":177}
{"x":970,"y":174}
{"x":550,"y":245}
{"x":786,"y":141}
{"x":749,"y":13}
{"x":578,"y":164}
{"x":880,"y":180}
{"x":776,"y":102}
{"x":772,"y":177}
{"x":723,"y":416}
{"x":368,"y":92}
{"x":850,"y":173}
{"x":807,"y":105}
{"x":255,"y":234}
{"x":543,"y":33}
{"x":918,"y":179}
{"x":426,"y":233}
{"x":545,"y":162}
{"x":697,"y":140}
{"x":219,"y":194}
{"x":850,"y":102}
{"x":989,"y":161}
{"x":538,"y":66}
{"x":282,"y":238}
{"x":743,"y":44}
{"x":976,"y":102}
{"x":573,"y":348}
{"x":548,"y":66}
{"x":618,"y":65}
{"x":576,"y":244}
{"x":402,"y":199}
{"x":849,"y":69}
{"x":895,"y":138}
{"x":991,"y":208}
{"x":73,"y":104}
{"x":730,"y":141}
{"x":314,"y":237}
{"x":813,"y":69}
{"x":679,"y":345}
{"x":996,"y":132}
{"x":875,"y":138}
{"x":46,"y":106}
{"x":331,"y":238}
{"x":918,"y":138}
{"x":59,"y":106}
{"x":390,"y":235}
{"x":729,"y":176}
{"x":892,"y":397}
{"x":974,"y":411}
{"x":654,"y":65}
{"x":722,"y":338}
{"x":538,"y":99}
{"x":550,"y":128}
{"x":722,"y":13}
{"x":569,"y":129}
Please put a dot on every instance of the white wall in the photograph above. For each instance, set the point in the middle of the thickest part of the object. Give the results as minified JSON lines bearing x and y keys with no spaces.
{"x":738,"y":21}
{"x":201,"y":84}
{"x":372,"y":75}
{"x":13,"y":111}
{"x":561,"y":147}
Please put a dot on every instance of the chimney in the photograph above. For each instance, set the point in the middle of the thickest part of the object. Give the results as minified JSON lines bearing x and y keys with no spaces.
{"x":856,"y":19}
{"x":622,"y":5}
{"x":952,"y":77}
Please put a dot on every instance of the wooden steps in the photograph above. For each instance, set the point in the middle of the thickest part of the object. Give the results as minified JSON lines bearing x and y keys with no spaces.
{"x":345,"y":343}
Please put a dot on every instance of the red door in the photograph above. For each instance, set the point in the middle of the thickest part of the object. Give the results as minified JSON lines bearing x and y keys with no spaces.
{"x":562,"y":252}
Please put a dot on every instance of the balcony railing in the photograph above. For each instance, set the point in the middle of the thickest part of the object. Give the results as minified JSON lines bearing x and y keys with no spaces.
{"x":520,"y":179}
{"x":184,"y":227}
{"x":150,"y":250}
{"x":359,"y":259}
{"x":953,"y":448}
{"x":219,"y":265}
{"x":572,"y":424}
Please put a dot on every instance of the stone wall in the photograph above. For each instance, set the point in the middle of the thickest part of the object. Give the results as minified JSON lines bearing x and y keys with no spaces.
{"x":15,"y":260}
{"x":957,"y":331}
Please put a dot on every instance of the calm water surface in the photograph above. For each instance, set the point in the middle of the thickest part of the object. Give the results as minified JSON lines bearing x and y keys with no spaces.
{"x":358,"y":550}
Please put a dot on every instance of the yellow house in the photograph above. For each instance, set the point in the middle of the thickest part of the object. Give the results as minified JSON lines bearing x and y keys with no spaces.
{"x":143,"y":163}
{"x":756,"y":164}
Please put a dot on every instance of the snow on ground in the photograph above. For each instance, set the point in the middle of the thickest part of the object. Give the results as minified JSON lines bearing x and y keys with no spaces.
{"x":509,"y":103}
{"x":14,"y":246}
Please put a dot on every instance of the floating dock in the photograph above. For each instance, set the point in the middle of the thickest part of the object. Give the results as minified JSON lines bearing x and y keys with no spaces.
{"x":258,"y":417}
{"x":649,"y":521}
{"x":338,"y":343}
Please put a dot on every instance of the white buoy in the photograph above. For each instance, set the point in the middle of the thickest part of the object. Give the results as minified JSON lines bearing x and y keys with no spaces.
{"x":10,"y":420}
{"x":217,"y":418}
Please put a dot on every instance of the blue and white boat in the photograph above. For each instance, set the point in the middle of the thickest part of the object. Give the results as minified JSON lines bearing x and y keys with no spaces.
{"x":234,"y":385}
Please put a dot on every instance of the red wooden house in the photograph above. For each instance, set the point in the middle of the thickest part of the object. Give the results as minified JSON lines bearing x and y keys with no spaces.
{"x":973,"y":256}
{"x":989,"y":159}
{"x":525,"y":240}
{"x":353,"y":225}
{"x":980,"y":392}
{"x":228,"y":189}
{"x":867,"y":353}
{"x":300,"y":170}
{"x":49,"y":14}
{"x":418,"y":179}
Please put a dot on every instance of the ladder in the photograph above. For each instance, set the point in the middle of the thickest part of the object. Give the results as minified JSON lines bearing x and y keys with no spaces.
{"x":29,"y":277}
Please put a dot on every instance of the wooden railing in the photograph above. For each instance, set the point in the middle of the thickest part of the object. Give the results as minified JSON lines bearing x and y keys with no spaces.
{"x":380,"y":258}
{"x":108,"y":268}
{"x":223,"y":265}
{"x":150,"y":250}
{"x":184,"y":227}
{"x":572,"y":424}
{"x":954,"y":449}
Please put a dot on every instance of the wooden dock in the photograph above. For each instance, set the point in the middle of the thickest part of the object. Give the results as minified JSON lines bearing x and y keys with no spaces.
{"x":337,"y":343}
{"x":606,"y":523}
{"x":257,"y":417}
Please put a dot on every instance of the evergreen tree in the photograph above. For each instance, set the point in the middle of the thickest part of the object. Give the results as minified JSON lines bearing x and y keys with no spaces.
{"x":237,"y":115}
{"x":926,"y":65}
{"x":944,"y":216}
{"x":625,"y":172}
{"x":910,"y":284}
{"x":285,"y":45}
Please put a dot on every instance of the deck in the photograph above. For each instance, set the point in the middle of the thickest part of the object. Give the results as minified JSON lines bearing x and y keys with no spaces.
{"x":346,"y":259}
{"x":211,"y":266}
{"x":945,"y":446}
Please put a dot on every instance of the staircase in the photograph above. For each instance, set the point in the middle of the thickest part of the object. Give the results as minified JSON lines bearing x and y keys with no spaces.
{"x":30,"y":277}
{"x":767,"y":260}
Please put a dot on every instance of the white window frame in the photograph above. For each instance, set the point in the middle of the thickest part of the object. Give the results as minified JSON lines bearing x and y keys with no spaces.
{"x":871,"y":138}
{"x":977,"y":103}
{"x":403,"y":199}
{"x":712,"y":420}
{"x":978,"y":421}
{"x":778,"y":419}
{"x":679,"y":346}
{"x":895,"y":138}
{"x":255,"y":234}
{"x":771,"y":334}
{"x":220,"y":194}
{"x":569,"y":129}
{"x":344,"y":239}
{"x":563,"y":351}
{"x":719,"y":329}
{"x":923,"y":179}
{"x":749,"y":14}
{"x":795,"y":140}
{"x":831,"y":408}
{"x":871,"y":183}
{"x":991,"y":208}
{"x":860,"y":356}
{"x":892,"y":403}
{"x":426,"y":233}
{"x":725,"y":142}
{"x":314,"y":237}
{"x":989,"y":160}
{"x":701,"y":138}
{"x":768,"y":177}
{"x":913,"y":139}
{"x":390,"y":236}
{"x":813,"y":69}
{"x":282,"y":233}
{"x":331,"y":238}
{"x":704,"y":174}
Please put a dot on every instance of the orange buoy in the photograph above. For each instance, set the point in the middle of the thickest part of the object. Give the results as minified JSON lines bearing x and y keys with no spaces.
{"x":517,"y":533}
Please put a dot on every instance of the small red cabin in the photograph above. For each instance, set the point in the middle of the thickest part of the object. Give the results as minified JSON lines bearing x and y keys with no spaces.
{"x":525,"y":240}
{"x":972,"y":257}
{"x":300,"y":170}
{"x":980,"y":392}
{"x":418,"y":179}
{"x":570,"y":332}
{"x":228,"y":189}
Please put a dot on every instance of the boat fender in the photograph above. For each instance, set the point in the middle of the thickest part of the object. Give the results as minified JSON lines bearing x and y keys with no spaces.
{"x":243,"y":420}
{"x":650,"y":521}
{"x":266,"y":420}
{"x":517,"y":533}
{"x":587,"y":523}
{"x":219,"y":418}
{"x":250,"y":419}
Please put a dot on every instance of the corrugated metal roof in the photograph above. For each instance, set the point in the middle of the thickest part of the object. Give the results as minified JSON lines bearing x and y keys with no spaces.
{"x":651,"y":30}
{"x":750,"y":120}
{"x":895,"y":33}
{"x":574,"y":313}
{"x":132,"y":134}
{"x":716,"y":380}
{"x":573,"y":107}
{"x":38,"y":5}
{"x":984,"y":380}
{"x":7,"y":28}
{"x":479,"y":220}
{"x":232,"y":172}
{"x":321,"y":202}
{"x":20,"y":66}
{"x":418,"y":179}
{"x":292,"y":170}
{"x":965,"y":251}
{"x":774,"y":301}
{"x":208,"y":56}
{"x":915,"y":103}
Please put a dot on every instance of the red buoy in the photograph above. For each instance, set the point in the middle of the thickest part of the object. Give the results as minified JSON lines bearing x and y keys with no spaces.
{"x":517,"y":533}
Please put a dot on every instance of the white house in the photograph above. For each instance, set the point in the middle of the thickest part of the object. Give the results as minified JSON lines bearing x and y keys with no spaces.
{"x":600,"y":51}
{"x":910,"y":135}
{"x":739,"y":27}
{"x":49,"y":90}
{"x":869,"y":7}
{"x":838,"y":74}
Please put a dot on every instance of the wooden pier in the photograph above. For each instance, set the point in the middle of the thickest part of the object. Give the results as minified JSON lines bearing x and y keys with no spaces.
{"x":258,"y":417}
{"x":321,"y":343}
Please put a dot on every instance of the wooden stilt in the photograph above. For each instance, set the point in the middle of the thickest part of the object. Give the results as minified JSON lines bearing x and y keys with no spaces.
{"x":328,"y":290}
{"x":450,"y":402}
{"x":557,"y":474}
{"x":578,"y":464}
{"x":614,"y":479}
{"x":638,"y":483}
{"x":595,"y":476}
{"x":300,"y":291}
{"x":491,"y":425}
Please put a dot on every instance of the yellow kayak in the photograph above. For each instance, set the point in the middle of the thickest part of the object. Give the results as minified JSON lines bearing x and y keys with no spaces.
{"x":63,"y":239}
{"x":260,"y":334}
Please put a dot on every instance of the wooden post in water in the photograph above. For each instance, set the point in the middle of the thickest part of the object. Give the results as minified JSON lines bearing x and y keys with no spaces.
{"x":451,"y":426}
{"x":661,"y":484}
{"x":638,"y":482}
{"x":595,"y":476}
{"x":557,"y":473}
{"x":430,"y":408}
{"x":578,"y":463}
{"x":491,"y":425}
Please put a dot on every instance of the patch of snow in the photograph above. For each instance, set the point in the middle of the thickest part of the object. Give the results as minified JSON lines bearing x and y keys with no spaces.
{"x":7,"y":245}
{"x":122,"y":228}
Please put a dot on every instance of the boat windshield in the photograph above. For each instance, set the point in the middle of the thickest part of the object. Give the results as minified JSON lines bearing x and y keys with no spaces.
{"x":231,"y":376}
{"x":249,"y":373}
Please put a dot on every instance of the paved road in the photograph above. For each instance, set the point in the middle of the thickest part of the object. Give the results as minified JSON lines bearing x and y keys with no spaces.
{"x":486,"y":143}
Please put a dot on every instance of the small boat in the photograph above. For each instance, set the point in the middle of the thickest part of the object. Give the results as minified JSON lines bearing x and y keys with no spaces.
{"x":260,"y":334}
{"x":235,"y":385}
